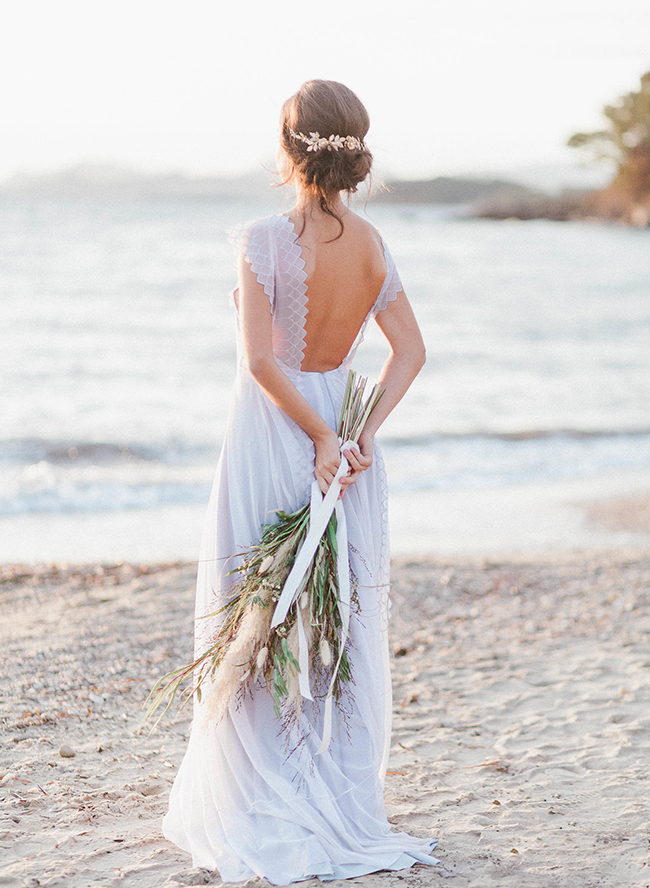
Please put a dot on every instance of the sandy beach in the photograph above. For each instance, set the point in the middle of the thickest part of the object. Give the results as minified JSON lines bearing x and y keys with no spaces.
{"x":521,"y":733}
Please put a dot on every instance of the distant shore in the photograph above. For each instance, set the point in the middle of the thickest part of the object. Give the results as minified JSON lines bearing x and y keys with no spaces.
{"x":479,"y":196}
{"x":570,"y":206}
{"x":95,"y":181}
{"x":111,"y":182}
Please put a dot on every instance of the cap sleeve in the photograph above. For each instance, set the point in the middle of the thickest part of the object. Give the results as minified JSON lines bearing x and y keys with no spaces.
{"x":254,"y":240}
{"x":392,"y":283}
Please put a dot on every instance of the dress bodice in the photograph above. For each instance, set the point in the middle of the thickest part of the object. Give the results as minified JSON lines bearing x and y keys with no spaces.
{"x":271,"y":247}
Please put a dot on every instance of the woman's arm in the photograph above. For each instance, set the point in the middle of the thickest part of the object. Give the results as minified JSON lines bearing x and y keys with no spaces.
{"x":407,"y":356}
{"x":255,"y":320}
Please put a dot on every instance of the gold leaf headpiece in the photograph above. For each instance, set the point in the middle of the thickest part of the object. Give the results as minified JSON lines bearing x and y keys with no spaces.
{"x":316,"y":142}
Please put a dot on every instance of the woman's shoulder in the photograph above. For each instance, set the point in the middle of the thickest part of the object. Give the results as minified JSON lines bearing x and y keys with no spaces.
{"x":370,"y":234}
{"x":258,"y":223}
{"x":255,"y":231}
{"x":381,"y":254}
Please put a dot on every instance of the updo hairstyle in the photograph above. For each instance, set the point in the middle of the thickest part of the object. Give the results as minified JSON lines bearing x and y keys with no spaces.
{"x":327,"y":108}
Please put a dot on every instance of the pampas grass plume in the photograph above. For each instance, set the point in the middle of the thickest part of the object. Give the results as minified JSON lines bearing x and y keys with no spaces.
{"x":235,"y":666}
{"x":265,"y":565}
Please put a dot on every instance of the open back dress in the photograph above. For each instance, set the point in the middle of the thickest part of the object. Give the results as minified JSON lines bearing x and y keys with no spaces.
{"x":252,"y":797}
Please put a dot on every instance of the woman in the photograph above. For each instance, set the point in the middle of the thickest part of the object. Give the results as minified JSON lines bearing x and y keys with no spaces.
{"x":253,"y":796}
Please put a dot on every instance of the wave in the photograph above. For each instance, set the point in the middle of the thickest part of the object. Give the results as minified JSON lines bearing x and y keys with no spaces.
{"x":59,"y":476}
{"x":102,"y":497}
{"x":455,"y":462}
{"x":21,"y":451}
{"x":432,"y":438}
{"x":62,"y":452}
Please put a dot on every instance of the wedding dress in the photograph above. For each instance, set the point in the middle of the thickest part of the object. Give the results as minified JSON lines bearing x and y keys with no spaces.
{"x":252,"y":797}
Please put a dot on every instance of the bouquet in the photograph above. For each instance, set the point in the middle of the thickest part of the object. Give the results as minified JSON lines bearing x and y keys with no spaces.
{"x":286,"y":622}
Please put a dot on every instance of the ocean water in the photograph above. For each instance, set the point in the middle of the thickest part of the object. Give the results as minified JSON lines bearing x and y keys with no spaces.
{"x":118,"y":351}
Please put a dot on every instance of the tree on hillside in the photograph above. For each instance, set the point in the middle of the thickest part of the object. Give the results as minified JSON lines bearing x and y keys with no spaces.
{"x":626,"y":140}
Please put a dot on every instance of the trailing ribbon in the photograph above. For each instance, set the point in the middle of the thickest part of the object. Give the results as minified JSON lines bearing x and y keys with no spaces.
{"x":319,"y":516}
{"x":319,"y":520}
{"x":303,"y":648}
{"x":303,"y":655}
{"x":343,"y":570}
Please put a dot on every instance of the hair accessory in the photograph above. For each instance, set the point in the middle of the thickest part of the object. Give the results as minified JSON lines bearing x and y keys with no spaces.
{"x":315,"y":142}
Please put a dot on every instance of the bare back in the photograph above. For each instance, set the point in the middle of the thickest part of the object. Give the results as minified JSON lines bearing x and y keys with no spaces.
{"x":344,"y":277}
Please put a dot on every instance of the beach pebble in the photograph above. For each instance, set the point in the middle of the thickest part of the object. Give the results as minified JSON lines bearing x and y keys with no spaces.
{"x":66,"y":751}
{"x":194,"y":877}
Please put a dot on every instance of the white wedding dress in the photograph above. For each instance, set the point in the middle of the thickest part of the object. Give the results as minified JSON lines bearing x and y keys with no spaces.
{"x":251,"y":798}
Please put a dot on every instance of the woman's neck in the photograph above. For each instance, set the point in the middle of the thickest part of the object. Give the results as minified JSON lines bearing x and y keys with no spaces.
{"x":309,"y":205}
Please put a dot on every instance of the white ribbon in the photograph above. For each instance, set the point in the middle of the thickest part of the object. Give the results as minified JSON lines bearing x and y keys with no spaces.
{"x":317,"y":525}
{"x":303,"y":656}
{"x":319,"y":516}
{"x":343,"y":570}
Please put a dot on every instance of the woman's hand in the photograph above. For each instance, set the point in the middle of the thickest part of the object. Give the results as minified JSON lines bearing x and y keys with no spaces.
{"x":359,"y":459}
{"x":328,"y":459}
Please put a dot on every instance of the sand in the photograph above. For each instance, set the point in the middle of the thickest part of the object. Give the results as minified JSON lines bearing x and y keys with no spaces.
{"x":521,"y":734}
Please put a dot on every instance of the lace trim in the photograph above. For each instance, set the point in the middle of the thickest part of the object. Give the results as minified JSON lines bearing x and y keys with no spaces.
{"x":392,"y":284}
{"x":252,"y":239}
{"x":291,"y":310}
{"x":385,"y":602}
{"x":271,"y":247}
{"x":385,"y":605}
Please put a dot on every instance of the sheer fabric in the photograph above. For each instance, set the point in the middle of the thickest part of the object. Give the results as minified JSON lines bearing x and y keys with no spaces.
{"x":251,"y":799}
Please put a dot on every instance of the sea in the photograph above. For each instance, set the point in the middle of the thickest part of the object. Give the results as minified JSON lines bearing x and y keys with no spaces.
{"x":118,"y":352}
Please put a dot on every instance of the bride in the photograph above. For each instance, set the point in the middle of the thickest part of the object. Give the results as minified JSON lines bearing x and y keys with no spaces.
{"x":256,"y":795}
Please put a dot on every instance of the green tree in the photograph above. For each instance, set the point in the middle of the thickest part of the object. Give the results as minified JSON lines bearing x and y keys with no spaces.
{"x":626,"y":140}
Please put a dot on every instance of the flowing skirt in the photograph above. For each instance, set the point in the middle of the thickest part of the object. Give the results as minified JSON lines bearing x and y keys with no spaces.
{"x":251,"y":798}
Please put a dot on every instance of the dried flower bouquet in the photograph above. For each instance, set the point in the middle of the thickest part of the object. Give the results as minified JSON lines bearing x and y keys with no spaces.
{"x":247,"y":647}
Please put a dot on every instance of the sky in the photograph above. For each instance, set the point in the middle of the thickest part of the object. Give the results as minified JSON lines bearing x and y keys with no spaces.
{"x":454,"y":87}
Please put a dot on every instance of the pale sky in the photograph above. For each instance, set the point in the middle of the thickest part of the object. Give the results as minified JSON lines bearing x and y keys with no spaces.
{"x":452,"y":87}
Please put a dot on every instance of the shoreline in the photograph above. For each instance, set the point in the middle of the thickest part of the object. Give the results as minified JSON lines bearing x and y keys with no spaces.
{"x":521,"y":697}
{"x":607,"y":512}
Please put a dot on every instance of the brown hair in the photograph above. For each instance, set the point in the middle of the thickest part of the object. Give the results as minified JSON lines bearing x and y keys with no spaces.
{"x":329,"y":109}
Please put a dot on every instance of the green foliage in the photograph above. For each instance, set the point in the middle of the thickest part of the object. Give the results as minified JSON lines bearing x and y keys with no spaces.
{"x":627,"y":132}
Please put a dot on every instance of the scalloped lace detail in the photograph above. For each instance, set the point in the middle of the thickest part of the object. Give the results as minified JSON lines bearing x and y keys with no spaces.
{"x":271,"y":247}
{"x":383,"y":577}
{"x":291,"y":310}
{"x":392,"y":284}
{"x":251,"y":239}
